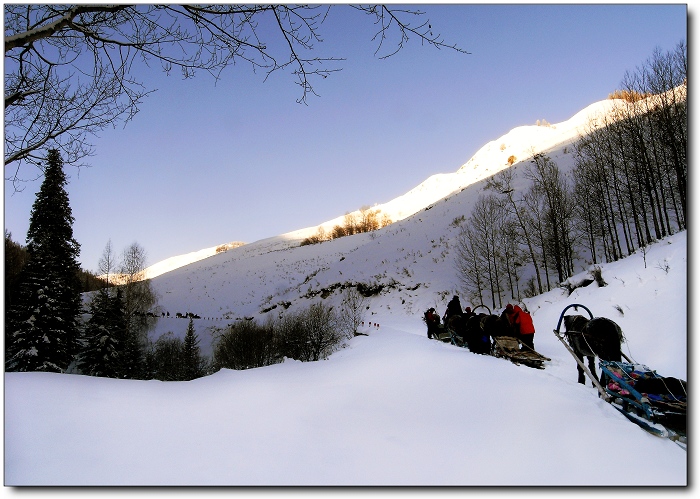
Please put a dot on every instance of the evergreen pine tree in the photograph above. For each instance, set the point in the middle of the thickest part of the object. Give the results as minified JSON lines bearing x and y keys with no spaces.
{"x":43,"y":322}
{"x":193,"y":362}
{"x":101,"y":353}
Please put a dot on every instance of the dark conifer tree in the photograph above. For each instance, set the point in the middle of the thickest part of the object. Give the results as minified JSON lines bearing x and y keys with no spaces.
{"x":102,"y":337}
{"x":193,"y":364}
{"x":43,"y":322}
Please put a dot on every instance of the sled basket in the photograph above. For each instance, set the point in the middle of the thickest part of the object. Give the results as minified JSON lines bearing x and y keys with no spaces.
{"x":512,"y":349}
{"x":637,"y":389}
{"x":446,"y":335}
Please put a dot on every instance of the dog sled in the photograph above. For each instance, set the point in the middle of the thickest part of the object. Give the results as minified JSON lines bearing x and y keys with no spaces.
{"x":439,"y":331}
{"x":514,"y":350}
{"x":658,"y":404}
{"x":446,"y":335}
{"x":508,"y":347}
{"x":655,"y":403}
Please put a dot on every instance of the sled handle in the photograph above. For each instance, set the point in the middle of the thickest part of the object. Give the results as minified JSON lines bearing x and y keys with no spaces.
{"x":482,"y":305}
{"x":561,"y":317}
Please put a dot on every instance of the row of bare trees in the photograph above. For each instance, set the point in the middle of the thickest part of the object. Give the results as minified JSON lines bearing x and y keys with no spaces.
{"x":364,"y":220}
{"x":626,"y":190}
{"x":507,"y":234}
{"x":632,"y":168}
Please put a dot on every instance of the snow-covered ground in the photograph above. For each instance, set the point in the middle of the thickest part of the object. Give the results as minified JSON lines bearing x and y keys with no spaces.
{"x":392,"y":407}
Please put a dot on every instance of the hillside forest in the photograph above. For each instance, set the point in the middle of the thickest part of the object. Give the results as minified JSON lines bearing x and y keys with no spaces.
{"x":627,"y":189}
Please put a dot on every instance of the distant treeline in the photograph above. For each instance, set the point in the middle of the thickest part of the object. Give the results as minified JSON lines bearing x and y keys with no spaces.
{"x":367,"y":220}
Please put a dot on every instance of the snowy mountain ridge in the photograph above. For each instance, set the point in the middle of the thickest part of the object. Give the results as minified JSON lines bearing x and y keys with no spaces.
{"x":521,"y":142}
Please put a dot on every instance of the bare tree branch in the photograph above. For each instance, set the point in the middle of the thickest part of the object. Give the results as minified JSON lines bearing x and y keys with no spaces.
{"x":69,"y":68}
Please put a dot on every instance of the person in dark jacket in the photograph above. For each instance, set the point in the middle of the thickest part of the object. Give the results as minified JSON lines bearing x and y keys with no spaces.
{"x":507,"y":314}
{"x":453,"y":308}
{"x":507,"y":322}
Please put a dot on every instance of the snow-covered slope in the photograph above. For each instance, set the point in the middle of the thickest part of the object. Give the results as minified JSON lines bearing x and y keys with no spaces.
{"x":392,"y":407}
{"x":175,"y":262}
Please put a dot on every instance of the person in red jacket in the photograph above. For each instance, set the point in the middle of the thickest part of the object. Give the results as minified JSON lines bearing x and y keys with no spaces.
{"x":522,"y":322}
{"x":432,"y":319}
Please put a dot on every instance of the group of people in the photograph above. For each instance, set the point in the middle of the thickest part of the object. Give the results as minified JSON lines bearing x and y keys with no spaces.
{"x":519,"y":321}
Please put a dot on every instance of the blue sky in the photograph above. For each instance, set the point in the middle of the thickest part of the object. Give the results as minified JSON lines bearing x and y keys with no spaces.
{"x":203,"y":164}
